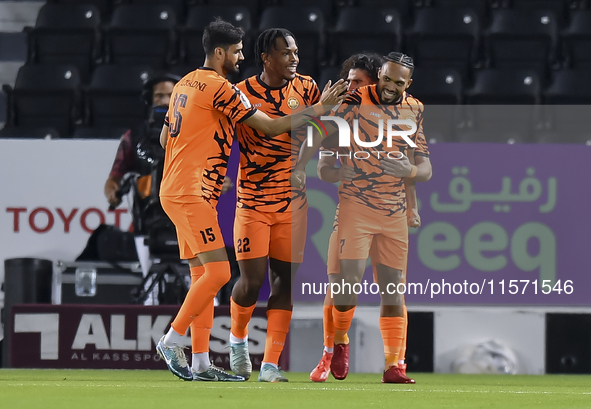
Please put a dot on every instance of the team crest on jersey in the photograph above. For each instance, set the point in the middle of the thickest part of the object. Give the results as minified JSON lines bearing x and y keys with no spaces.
{"x":293,"y":102}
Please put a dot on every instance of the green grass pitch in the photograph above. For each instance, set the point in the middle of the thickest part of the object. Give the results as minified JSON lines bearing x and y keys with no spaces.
{"x":106,"y":389}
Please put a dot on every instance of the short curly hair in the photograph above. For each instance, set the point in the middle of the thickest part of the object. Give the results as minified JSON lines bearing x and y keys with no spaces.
{"x":368,"y":62}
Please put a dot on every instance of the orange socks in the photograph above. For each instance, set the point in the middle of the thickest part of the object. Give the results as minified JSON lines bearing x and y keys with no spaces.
{"x":240,"y":318}
{"x":328,"y":326}
{"x":277,"y":327}
{"x":342,"y":323}
{"x":402,"y":352}
{"x":201,"y":326}
{"x":392,"y":329}
{"x":201,"y":294}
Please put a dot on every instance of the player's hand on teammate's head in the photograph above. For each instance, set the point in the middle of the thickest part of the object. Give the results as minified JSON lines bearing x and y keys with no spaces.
{"x":399,"y":167}
{"x":346,"y":173}
{"x":297,"y":179}
{"x":333,"y":94}
{"x":412,"y":217}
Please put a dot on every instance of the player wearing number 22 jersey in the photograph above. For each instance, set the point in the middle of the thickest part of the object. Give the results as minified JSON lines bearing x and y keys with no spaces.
{"x":271,"y":216}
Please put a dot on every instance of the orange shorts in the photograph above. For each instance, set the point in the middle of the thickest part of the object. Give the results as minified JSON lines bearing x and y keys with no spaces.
{"x":196,"y":223}
{"x":281,"y":236}
{"x":332,"y":260}
{"x":360,"y":227}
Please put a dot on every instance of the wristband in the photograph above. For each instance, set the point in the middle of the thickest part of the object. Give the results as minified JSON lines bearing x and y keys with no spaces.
{"x":413,"y":172}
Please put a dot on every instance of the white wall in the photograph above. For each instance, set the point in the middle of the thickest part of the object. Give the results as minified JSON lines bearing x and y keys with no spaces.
{"x":53,"y":181}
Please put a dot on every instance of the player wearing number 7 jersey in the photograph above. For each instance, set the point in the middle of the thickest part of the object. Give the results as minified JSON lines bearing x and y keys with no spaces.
{"x":197,"y":136}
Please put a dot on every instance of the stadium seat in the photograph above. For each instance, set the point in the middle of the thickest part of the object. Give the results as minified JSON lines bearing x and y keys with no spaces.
{"x":479,"y":7}
{"x":307,"y":24}
{"x":254,"y":7}
{"x":577,"y":40}
{"x":67,"y":34}
{"x":199,"y":17}
{"x":326,"y":6}
{"x":560,"y":8}
{"x":178,"y":6}
{"x":440,"y":90}
{"x":141,"y":34}
{"x":568,"y":108}
{"x":105,"y":7}
{"x":446,"y":38}
{"x":361,"y":29}
{"x":45,"y":96}
{"x":523,"y":39}
{"x":503,"y":106}
{"x":403,"y":7}
{"x":113,"y":96}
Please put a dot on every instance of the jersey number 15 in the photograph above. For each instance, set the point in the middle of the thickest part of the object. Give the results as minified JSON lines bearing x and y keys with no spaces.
{"x":175,"y":125}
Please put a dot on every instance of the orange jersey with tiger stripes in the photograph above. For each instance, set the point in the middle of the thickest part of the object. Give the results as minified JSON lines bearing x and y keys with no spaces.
{"x":370,"y":186}
{"x":202,"y":115}
{"x":266,"y":162}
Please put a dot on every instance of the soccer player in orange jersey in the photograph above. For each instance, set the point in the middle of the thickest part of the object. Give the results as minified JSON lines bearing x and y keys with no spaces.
{"x":359,"y":70}
{"x":197,"y":136}
{"x":271,"y":216}
{"x":373,"y":207}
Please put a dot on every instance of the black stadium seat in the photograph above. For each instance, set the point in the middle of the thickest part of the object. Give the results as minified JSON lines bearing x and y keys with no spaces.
{"x":577,"y":40}
{"x":568,"y":108}
{"x":360,"y":29}
{"x":446,"y":38}
{"x":307,"y":25}
{"x":105,"y":7}
{"x":503,"y":105}
{"x":479,"y":7}
{"x":199,"y":17}
{"x":45,"y":96}
{"x":560,"y":8}
{"x":440,"y":90}
{"x":67,"y":34}
{"x":113,"y":96}
{"x":524,"y":39}
{"x":178,"y":6}
{"x":141,"y":34}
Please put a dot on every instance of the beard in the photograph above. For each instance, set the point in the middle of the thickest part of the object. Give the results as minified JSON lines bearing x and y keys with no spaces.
{"x":230,"y":67}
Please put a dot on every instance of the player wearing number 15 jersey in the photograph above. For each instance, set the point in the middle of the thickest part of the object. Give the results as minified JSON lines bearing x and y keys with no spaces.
{"x":197,"y":136}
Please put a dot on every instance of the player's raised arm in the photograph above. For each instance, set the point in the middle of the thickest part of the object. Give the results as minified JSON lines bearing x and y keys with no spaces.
{"x":331,"y":96}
